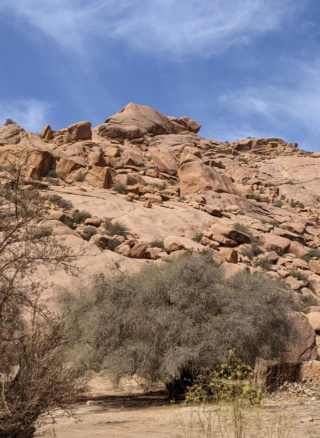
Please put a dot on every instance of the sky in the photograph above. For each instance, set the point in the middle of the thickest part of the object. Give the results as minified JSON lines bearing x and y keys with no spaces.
{"x":241,"y":68}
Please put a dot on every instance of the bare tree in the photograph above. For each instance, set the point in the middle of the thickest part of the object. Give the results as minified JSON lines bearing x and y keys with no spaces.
{"x":34,"y":374}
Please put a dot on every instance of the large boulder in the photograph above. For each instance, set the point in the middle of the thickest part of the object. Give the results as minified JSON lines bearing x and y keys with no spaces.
{"x":196,"y":177}
{"x":133,"y":121}
{"x":164,"y":160}
{"x":303,"y":347}
{"x":275,"y":243}
{"x":36,"y":163}
{"x":80,"y":131}
{"x":100,"y":177}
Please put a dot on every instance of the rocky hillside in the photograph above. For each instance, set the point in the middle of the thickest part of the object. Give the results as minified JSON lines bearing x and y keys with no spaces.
{"x":145,"y":188}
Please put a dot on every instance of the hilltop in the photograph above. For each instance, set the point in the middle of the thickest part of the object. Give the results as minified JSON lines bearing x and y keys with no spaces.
{"x":145,"y":188}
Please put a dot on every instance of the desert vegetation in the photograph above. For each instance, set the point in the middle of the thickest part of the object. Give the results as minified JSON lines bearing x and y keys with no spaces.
{"x":173,"y":322}
{"x":34,"y":375}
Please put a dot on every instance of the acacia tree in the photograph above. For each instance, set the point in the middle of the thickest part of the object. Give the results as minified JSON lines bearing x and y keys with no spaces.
{"x":175,"y":321}
{"x":34,"y":375}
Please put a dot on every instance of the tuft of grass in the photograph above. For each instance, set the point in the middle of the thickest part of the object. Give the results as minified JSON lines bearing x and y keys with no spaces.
{"x":119,"y":188}
{"x":158,"y":186}
{"x":157,"y":244}
{"x":116,"y":228}
{"x":296,"y":274}
{"x":290,"y":182}
{"x":278,"y":203}
{"x":60,"y":202}
{"x":80,"y":216}
{"x":263,"y":263}
{"x":314,"y":253}
{"x":295,"y":204}
{"x":241,"y":212}
{"x":240,"y":227}
{"x":197,"y":237}
{"x":243,"y":160}
{"x":68,"y":138}
{"x":255,"y":196}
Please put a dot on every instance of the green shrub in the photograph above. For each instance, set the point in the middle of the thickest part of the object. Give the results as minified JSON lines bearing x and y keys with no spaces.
{"x":263,"y":263}
{"x":243,"y":160}
{"x":290,"y":182}
{"x":60,"y":202}
{"x":102,"y":128}
{"x":9,"y":122}
{"x":270,"y":140}
{"x":161,"y":186}
{"x":255,"y":196}
{"x":296,"y":274}
{"x":314,"y":253}
{"x":157,"y":244}
{"x":197,"y":237}
{"x":80,"y":216}
{"x":119,"y":187}
{"x":68,"y":138}
{"x":116,"y":228}
{"x":241,"y":212}
{"x":295,"y":204}
{"x":79,"y":177}
{"x":227,"y":382}
{"x":242,"y":228}
{"x":278,"y":203}
{"x":175,"y":321}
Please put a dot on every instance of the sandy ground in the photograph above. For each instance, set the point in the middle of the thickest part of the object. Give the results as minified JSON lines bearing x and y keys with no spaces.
{"x":152,"y":416}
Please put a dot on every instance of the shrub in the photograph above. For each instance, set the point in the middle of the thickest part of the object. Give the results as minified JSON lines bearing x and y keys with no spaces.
{"x":295,"y":204}
{"x":263,"y":263}
{"x":158,"y":186}
{"x":119,"y":187}
{"x":102,"y":128}
{"x":9,"y":122}
{"x":175,"y":321}
{"x":80,"y":216}
{"x":243,"y":228}
{"x":227,"y":382}
{"x":255,"y":196}
{"x":243,"y":160}
{"x":296,"y":274}
{"x":68,"y":138}
{"x":278,"y":203}
{"x":314,"y":253}
{"x":197,"y":237}
{"x":241,"y":212}
{"x":157,"y":244}
{"x":270,"y":140}
{"x":116,"y":228}
{"x":290,"y":182}
{"x":60,"y":202}
{"x":79,"y":177}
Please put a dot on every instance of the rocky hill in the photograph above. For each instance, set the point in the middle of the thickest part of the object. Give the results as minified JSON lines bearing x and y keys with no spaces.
{"x":146,"y":188}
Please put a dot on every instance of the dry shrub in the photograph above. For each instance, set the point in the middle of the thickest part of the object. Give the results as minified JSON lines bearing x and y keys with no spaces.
{"x":174,"y":321}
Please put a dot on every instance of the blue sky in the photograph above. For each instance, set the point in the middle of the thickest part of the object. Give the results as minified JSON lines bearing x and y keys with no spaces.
{"x":239,"y":67}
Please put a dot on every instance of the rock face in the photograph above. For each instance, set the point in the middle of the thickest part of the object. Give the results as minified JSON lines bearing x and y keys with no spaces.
{"x":80,"y":131}
{"x":196,"y":177}
{"x":252,"y":204}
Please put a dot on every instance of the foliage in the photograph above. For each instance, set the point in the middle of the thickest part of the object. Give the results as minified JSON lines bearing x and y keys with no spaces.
{"x":263,"y":263}
{"x":157,"y":244}
{"x":175,"y":321}
{"x":255,"y":196}
{"x":296,"y":274}
{"x":270,"y":140}
{"x":80,"y":216}
{"x":227,"y":382}
{"x":116,"y":228}
{"x":68,"y":138}
{"x":290,"y":182}
{"x":60,"y":202}
{"x":295,"y":204}
{"x":102,"y":128}
{"x":9,"y":122}
{"x":278,"y":203}
{"x":197,"y":237}
{"x":314,"y":253}
{"x":34,"y":375}
{"x":242,"y":228}
{"x":243,"y":160}
{"x":119,"y":188}
{"x":158,"y":186}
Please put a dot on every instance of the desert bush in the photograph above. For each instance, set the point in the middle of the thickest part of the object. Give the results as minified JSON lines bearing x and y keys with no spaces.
{"x":197,"y":237}
{"x":80,"y":216}
{"x":116,"y":228}
{"x":278,"y":203}
{"x":157,"y":244}
{"x":34,"y":375}
{"x":255,"y":196}
{"x":9,"y":122}
{"x":314,"y":253}
{"x":243,"y":228}
{"x":263,"y":263}
{"x":119,"y":188}
{"x":243,"y":160}
{"x":295,"y":204}
{"x":60,"y":202}
{"x":175,"y":321}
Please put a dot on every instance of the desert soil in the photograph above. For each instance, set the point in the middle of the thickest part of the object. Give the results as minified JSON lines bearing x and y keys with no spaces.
{"x":152,"y":416}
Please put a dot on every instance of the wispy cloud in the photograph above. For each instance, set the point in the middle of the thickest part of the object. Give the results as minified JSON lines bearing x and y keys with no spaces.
{"x":167,"y":27}
{"x":296,"y":97}
{"x":31,"y":114}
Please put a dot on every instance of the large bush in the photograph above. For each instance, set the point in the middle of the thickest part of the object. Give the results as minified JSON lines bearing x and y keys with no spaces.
{"x":173,"y":321}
